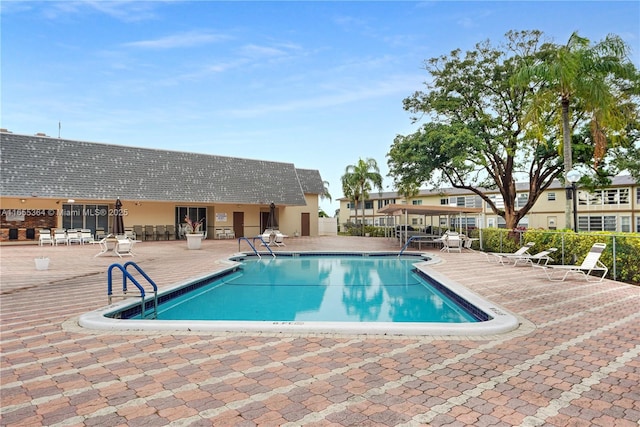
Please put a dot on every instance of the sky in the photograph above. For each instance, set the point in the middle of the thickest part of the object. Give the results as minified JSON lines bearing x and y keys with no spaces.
{"x":316,"y":84}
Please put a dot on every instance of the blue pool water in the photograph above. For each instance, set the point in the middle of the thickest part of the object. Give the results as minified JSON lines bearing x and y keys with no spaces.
{"x":327,"y":288}
{"x":363,"y":293}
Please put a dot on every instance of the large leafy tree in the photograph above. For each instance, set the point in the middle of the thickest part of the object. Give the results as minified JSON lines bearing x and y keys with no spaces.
{"x":477,"y":137}
{"x":359,"y":179}
{"x":581,"y":82}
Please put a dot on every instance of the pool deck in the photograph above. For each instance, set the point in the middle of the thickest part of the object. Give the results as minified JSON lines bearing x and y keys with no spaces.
{"x":575,"y":360}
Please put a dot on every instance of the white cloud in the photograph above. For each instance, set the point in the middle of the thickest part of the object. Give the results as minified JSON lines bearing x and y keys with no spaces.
{"x":400,"y":85}
{"x":188,"y":39}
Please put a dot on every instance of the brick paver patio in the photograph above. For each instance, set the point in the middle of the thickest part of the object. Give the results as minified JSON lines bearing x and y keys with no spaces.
{"x":574,"y":361}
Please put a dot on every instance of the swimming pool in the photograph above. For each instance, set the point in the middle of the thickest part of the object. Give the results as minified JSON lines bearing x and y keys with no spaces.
{"x":377,"y":293}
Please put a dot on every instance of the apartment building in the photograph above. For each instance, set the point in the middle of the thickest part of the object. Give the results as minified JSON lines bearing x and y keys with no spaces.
{"x":614,"y":208}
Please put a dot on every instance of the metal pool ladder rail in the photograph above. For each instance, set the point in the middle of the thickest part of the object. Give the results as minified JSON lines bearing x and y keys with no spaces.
{"x":416,"y":239}
{"x":253,"y":245}
{"x":126,"y":275}
{"x":407,"y":244}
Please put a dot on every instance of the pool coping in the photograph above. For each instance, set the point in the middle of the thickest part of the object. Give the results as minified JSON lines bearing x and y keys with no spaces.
{"x":502,"y":321}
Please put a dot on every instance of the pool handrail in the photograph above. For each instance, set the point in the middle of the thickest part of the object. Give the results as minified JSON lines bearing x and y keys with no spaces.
{"x":254,"y":247}
{"x":151,"y":282}
{"x":126,"y":275}
{"x":412,"y":238}
{"x":417,"y":238}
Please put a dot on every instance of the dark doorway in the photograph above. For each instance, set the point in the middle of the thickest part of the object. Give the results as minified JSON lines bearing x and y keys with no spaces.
{"x":305,"y":225}
{"x":238,"y":224}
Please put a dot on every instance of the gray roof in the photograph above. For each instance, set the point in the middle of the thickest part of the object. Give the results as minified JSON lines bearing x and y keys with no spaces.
{"x":40,"y":166}
{"x":311,"y":181}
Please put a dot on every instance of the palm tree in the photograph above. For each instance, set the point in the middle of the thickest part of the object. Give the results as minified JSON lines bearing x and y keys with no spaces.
{"x":325,"y":191}
{"x":357,"y":181}
{"x":580,"y":75}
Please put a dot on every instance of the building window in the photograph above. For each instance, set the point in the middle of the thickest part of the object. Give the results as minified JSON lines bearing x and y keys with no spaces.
{"x":465,"y":201}
{"x":416,"y":202}
{"x":91,"y":217}
{"x":498,"y":201}
{"x":625,"y":224}
{"x":501,"y":222}
{"x":194,"y":214}
{"x":446,"y":201}
{"x":521,"y":199}
{"x":457,"y":222}
{"x":597,"y":223}
{"x":456,"y":201}
{"x":624,"y":196}
{"x":613,"y":196}
{"x":551,"y":197}
{"x":368,"y":204}
{"x":384,"y":202}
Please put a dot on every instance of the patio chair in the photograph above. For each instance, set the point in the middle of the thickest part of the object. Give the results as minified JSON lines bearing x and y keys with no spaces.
{"x":86,"y":236}
{"x":73,"y":236}
{"x":59,"y":235}
{"x":148,"y":232}
{"x":100,"y":234}
{"x":161,"y":232}
{"x":501,"y":257}
{"x":279,"y":240}
{"x":451,"y":242}
{"x":171,"y":232}
{"x":268,"y":237}
{"x":129,"y":233}
{"x":137,"y":230}
{"x":541,"y":258}
{"x":44,"y":237}
{"x":590,"y":264}
{"x":229,"y":233}
{"x":123,"y":247}
{"x":219,"y":233}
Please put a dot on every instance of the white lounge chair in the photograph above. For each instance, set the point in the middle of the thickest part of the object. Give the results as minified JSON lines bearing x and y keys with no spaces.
{"x":86,"y":236}
{"x":59,"y":236}
{"x":44,"y":237}
{"x":268,"y":237}
{"x":501,"y":257}
{"x":73,"y":236}
{"x":123,"y":247}
{"x":541,"y":258}
{"x":279,"y":239}
{"x":452,"y":242}
{"x":590,"y":264}
{"x":219,"y":233}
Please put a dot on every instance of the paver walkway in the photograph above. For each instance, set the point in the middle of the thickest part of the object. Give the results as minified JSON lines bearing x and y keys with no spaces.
{"x":574,"y":362}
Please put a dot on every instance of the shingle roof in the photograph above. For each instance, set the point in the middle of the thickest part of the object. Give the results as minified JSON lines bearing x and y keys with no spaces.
{"x":311,"y":181}
{"x":59,"y":168}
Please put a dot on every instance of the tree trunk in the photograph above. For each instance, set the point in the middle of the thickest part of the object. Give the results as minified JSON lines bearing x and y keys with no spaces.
{"x":356,"y":203}
{"x":566,"y":154}
{"x":511,"y":219}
